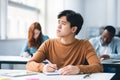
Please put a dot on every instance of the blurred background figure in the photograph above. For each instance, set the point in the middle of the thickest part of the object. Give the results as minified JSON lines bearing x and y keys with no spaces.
{"x":35,"y":39}
{"x":107,"y":45}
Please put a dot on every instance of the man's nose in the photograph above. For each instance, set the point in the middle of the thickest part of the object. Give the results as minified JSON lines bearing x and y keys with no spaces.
{"x":59,"y":26}
{"x":105,"y":39}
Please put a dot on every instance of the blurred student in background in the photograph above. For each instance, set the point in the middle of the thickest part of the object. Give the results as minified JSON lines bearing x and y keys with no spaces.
{"x":107,"y":45}
{"x":35,"y":39}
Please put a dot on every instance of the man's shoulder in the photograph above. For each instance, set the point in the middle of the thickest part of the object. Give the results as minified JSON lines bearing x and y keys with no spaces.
{"x":116,"y":39}
{"x":83,"y":41}
{"x":94,"y":39}
{"x":52,"y":40}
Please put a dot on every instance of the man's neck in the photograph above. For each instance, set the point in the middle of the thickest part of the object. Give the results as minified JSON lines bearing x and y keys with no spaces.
{"x":67,"y":40}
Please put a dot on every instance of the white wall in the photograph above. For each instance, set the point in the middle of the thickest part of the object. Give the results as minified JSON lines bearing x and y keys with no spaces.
{"x":3,"y":18}
{"x":95,"y":12}
{"x":53,"y":8}
{"x":111,"y":12}
{"x":118,"y":13}
{"x":98,"y":13}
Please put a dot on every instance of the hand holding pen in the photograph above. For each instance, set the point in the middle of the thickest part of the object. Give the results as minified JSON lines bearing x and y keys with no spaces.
{"x":49,"y":67}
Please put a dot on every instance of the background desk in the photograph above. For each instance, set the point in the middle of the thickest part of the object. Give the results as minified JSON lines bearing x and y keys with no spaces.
{"x":41,"y":76}
{"x":112,"y":63}
{"x":13,"y":60}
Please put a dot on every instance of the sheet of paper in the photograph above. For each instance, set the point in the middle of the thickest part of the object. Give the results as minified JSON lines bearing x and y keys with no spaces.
{"x":18,"y":74}
{"x":101,"y":76}
{"x":57,"y":72}
{"x":94,"y":76}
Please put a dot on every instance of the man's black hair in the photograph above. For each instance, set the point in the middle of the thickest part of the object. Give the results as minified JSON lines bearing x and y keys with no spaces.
{"x":74,"y":18}
{"x":111,"y":29}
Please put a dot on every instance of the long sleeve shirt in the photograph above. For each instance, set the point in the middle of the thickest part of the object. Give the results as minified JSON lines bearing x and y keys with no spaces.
{"x":76,"y":53}
{"x":114,"y":46}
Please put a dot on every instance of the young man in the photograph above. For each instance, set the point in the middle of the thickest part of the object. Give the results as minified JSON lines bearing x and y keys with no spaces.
{"x":107,"y":45}
{"x":66,"y":52}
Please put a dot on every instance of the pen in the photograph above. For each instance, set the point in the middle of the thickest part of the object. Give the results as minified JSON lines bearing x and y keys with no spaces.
{"x":50,"y":63}
{"x":87,"y":75}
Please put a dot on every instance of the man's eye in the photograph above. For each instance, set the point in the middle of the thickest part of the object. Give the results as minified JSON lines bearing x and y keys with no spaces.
{"x":58,"y":22}
{"x":63,"y":24}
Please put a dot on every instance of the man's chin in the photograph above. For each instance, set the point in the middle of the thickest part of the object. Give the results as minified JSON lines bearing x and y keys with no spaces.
{"x":58,"y":35}
{"x":104,"y":44}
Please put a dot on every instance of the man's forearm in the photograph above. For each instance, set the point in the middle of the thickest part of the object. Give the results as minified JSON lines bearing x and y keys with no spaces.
{"x":34,"y":66}
{"x":91,"y":68}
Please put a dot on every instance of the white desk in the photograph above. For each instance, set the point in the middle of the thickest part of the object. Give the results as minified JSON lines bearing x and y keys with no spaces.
{"x":13,"y":60}
{"x":41,"y":76}
{"x":111,"y":61}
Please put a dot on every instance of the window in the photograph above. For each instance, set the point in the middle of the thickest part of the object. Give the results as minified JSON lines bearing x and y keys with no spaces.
{"x":21,"y":13}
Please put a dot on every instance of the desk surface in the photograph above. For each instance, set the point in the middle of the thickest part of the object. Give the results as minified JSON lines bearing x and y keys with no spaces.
{"x":41,"y":76}
{"x":10,"y":59}
{"x":13,"y":60}
{"x":111,"y":61}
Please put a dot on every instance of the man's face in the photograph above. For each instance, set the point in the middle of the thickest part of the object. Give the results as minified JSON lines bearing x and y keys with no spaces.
{"x":64,"y":28}
{"x":106,"y":37}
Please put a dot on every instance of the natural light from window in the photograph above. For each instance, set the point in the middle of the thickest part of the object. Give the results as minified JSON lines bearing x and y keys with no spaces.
{"x":21,"y":13}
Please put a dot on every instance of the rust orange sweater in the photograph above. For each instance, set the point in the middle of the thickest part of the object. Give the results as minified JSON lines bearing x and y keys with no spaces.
{"x":76,"y":53}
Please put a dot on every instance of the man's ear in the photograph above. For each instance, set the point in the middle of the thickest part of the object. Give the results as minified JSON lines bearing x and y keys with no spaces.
{"x":74,"y":29}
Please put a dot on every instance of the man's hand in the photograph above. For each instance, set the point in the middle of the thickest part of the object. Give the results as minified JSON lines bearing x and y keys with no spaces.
{"x":49,"y":68}
{"x":105,"y":57}
{"x":69,"y":70}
